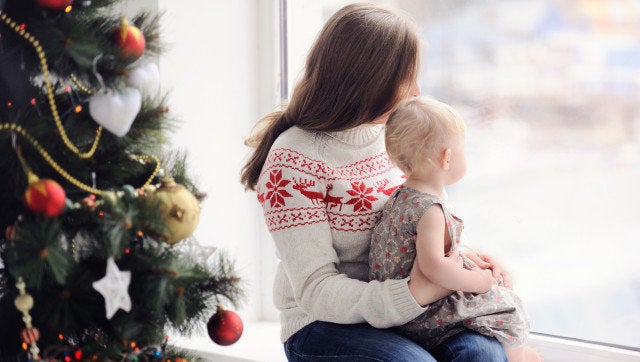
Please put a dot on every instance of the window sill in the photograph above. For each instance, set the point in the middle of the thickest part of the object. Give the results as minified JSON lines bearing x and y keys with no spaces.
{"x":554,"y":349}
{"x":260,"y":342}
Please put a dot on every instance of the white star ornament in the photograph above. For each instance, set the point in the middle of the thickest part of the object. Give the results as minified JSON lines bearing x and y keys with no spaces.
{"x":114,"y":288}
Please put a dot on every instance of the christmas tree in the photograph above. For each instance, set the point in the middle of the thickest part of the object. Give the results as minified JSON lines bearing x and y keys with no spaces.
{"x":97,"y":257}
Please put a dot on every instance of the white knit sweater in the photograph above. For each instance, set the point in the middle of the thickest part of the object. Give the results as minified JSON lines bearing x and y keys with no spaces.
{"x":322,"y":193}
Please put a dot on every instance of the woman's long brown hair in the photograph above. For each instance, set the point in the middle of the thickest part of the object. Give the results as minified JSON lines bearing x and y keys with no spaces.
{"x":363,"y":59}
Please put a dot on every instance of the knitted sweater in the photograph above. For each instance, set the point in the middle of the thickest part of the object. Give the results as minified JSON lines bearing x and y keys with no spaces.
{"x":322,"y":193}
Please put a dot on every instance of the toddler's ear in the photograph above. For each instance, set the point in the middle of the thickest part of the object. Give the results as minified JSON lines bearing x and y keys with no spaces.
{"x":445,"y":157}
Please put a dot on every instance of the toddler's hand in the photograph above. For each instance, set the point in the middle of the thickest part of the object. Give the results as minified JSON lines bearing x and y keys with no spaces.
{"x":485,"y":261}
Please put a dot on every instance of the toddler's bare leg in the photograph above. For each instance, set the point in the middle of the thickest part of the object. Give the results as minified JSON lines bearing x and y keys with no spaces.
{"x":523,"y":353}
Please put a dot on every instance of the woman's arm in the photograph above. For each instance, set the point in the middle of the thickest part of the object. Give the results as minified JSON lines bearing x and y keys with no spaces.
{"x":442,"y":270}
{"x":326,"y":294}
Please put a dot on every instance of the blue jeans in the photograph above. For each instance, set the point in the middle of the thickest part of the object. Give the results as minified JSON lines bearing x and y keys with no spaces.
{"x":323,"y":341}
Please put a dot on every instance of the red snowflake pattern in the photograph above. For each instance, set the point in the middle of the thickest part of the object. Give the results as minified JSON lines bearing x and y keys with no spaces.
{"x":277,"y":191}
{"x":362,"y":197}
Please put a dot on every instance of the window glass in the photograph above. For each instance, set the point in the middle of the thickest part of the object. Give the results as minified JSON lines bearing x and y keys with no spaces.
{"x":550,"y":90}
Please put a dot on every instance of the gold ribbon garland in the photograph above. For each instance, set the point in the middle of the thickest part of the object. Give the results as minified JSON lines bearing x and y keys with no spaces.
{"x":79,"y":184}
{"x":47,"y":82}
{"x":56,"y":117}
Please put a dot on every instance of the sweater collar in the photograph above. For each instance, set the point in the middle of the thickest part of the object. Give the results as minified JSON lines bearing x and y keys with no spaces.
{"x":359,"y":135}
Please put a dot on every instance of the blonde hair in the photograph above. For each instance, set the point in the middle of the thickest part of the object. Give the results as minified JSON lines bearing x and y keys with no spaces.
{"x":418,"y":128}
{"x":358,"y":69}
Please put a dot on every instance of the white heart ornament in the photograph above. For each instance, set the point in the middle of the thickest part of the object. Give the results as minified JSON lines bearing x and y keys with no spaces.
{"x":116,"y":111}
{"x":145,"y":78}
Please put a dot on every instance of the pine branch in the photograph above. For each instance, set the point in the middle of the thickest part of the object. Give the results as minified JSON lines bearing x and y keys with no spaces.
{"x":177,"y":165}
{"x":37,"y":250}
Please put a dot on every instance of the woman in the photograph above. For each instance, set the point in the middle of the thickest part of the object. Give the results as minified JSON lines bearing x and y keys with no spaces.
{"x":322,"y":175}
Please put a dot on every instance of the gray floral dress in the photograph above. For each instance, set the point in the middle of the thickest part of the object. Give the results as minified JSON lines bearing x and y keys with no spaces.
{"x":498,"y":313}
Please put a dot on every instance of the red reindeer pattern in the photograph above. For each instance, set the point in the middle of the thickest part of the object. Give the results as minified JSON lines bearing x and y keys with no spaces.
{"x":332,"y":201}
{"x":315,"y":196}
{"x":302,"y":185}
{"x":326,"y":204}
{"x":380,"y":187}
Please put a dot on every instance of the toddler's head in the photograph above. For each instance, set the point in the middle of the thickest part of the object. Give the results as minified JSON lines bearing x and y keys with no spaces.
{"x":419,"y":129}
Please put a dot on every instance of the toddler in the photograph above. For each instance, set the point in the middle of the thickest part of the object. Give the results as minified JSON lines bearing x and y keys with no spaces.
{"x":425,"y":139}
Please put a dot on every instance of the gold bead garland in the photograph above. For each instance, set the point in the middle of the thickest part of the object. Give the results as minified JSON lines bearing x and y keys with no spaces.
{"x":81,"y":86}
{"x":56,"y":116}
{"x":52,"y":103}
{"x":79,"y":184}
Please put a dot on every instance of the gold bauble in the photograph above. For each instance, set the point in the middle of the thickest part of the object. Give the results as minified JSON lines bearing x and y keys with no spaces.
{"x":180,"y":210}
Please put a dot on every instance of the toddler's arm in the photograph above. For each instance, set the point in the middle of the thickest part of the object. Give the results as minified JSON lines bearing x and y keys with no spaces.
{"x":440,"y":269}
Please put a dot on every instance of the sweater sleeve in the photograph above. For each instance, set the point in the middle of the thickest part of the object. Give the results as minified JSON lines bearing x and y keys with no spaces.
{"x":295,"y":213}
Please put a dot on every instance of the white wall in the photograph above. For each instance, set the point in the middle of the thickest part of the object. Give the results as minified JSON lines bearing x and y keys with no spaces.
{"x":220,"y":71}
{"x":305,"y":19}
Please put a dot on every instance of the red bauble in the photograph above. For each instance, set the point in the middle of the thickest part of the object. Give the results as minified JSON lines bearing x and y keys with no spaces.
{"x":54,"y":4}
{"x":10,"y":233}
{"x":130,"y":40}
{"x":45,"y":197}
{"x":30,"y":335}
{"x":225,"y":327}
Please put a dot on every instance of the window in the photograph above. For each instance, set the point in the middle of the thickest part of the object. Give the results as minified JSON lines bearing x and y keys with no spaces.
{"x":550,"y":90}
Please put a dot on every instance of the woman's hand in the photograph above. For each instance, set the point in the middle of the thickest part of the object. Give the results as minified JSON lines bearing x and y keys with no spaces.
{"x":485,"y":261}
{"x":485,"y":281}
